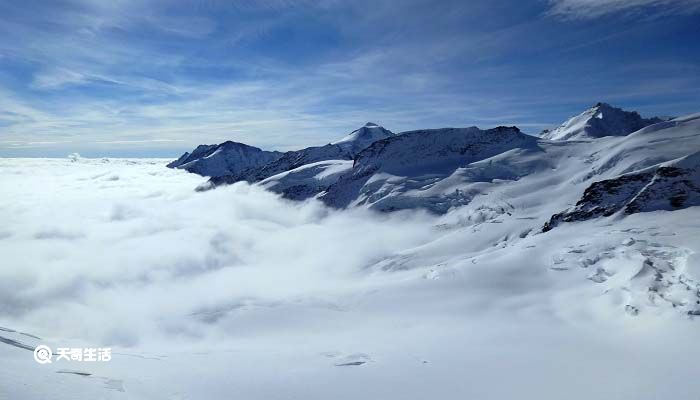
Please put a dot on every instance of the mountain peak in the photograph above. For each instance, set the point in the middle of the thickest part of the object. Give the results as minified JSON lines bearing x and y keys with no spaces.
{"x":222,"y":159}
{"x":598,"y":121}
{"x":360,"y":138}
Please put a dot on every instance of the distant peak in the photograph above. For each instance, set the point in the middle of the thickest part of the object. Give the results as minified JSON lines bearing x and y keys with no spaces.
{"x":608,"y":109}
{"x":367,"y":134}
{"x":600,"y":120}
{"x":229,"y":144}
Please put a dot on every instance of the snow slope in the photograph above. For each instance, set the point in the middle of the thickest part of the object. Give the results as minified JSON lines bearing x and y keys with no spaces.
{"x":307,"y":180}
{"x":598,"y":121}
{"x":666,"y":186}
{"x":291,"y":160}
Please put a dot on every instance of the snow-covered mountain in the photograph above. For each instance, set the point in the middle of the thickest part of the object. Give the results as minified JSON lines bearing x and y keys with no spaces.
{"x":330,"y":160}
{"x":223,"y":159}
{"x":441,"y":169}
{"x":598,"y":121}
{"x":344,"y":149}
{"x":291,"y":160}
{"x":402,"y":171}
{"x":360,"y":139}
{"x":233,"y":162}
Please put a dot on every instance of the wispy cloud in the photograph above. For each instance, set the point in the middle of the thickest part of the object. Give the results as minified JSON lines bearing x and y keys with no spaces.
{"x":139,"y":141}
{"x":586,"y":9}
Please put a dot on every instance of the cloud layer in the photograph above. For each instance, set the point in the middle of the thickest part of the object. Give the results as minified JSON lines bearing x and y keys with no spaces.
{"x":118,"y":252}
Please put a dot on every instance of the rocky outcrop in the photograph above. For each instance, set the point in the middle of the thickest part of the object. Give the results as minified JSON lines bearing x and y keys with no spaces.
{"x":667,"y":186}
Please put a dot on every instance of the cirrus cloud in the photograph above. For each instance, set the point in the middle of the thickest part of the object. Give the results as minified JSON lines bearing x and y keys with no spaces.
{"x":586,"y":9}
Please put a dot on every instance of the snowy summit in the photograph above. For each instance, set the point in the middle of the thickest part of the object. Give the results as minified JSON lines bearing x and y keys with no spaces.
{"x":361,"y":138}
{"x":598,"y":121}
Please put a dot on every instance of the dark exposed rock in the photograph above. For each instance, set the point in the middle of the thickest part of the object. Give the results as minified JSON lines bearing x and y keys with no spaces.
{"x":667,"y":186}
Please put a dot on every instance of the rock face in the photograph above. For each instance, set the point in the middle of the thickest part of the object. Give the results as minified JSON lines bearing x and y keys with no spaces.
{"x":224,"y":159}
{"x":599,"y":121}
{"x":667,"y":186}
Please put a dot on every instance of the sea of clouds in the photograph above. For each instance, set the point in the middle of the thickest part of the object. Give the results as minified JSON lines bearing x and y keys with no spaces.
{"x":117,"y":251}
{"x":237,"y":291}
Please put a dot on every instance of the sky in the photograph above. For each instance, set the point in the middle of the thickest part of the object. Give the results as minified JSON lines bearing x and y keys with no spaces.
{"x":155,"y":78}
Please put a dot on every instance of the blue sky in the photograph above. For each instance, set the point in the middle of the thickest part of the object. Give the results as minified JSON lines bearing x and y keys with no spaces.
{"x":155,"y":78}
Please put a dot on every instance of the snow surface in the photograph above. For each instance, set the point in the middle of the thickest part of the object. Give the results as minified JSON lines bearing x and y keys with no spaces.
{"x":238,"y":293}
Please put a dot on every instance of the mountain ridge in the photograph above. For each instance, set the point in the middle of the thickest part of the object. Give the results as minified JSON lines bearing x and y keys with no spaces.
{"x":223,"y":159}
{"x":441,"y":169}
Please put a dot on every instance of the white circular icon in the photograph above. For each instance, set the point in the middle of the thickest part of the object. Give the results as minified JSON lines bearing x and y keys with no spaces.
{"x":43,"y":354}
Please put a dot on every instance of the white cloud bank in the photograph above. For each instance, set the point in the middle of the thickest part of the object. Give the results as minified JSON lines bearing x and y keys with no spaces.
{"x":237,"y":292}
{"x":98,"y":246}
